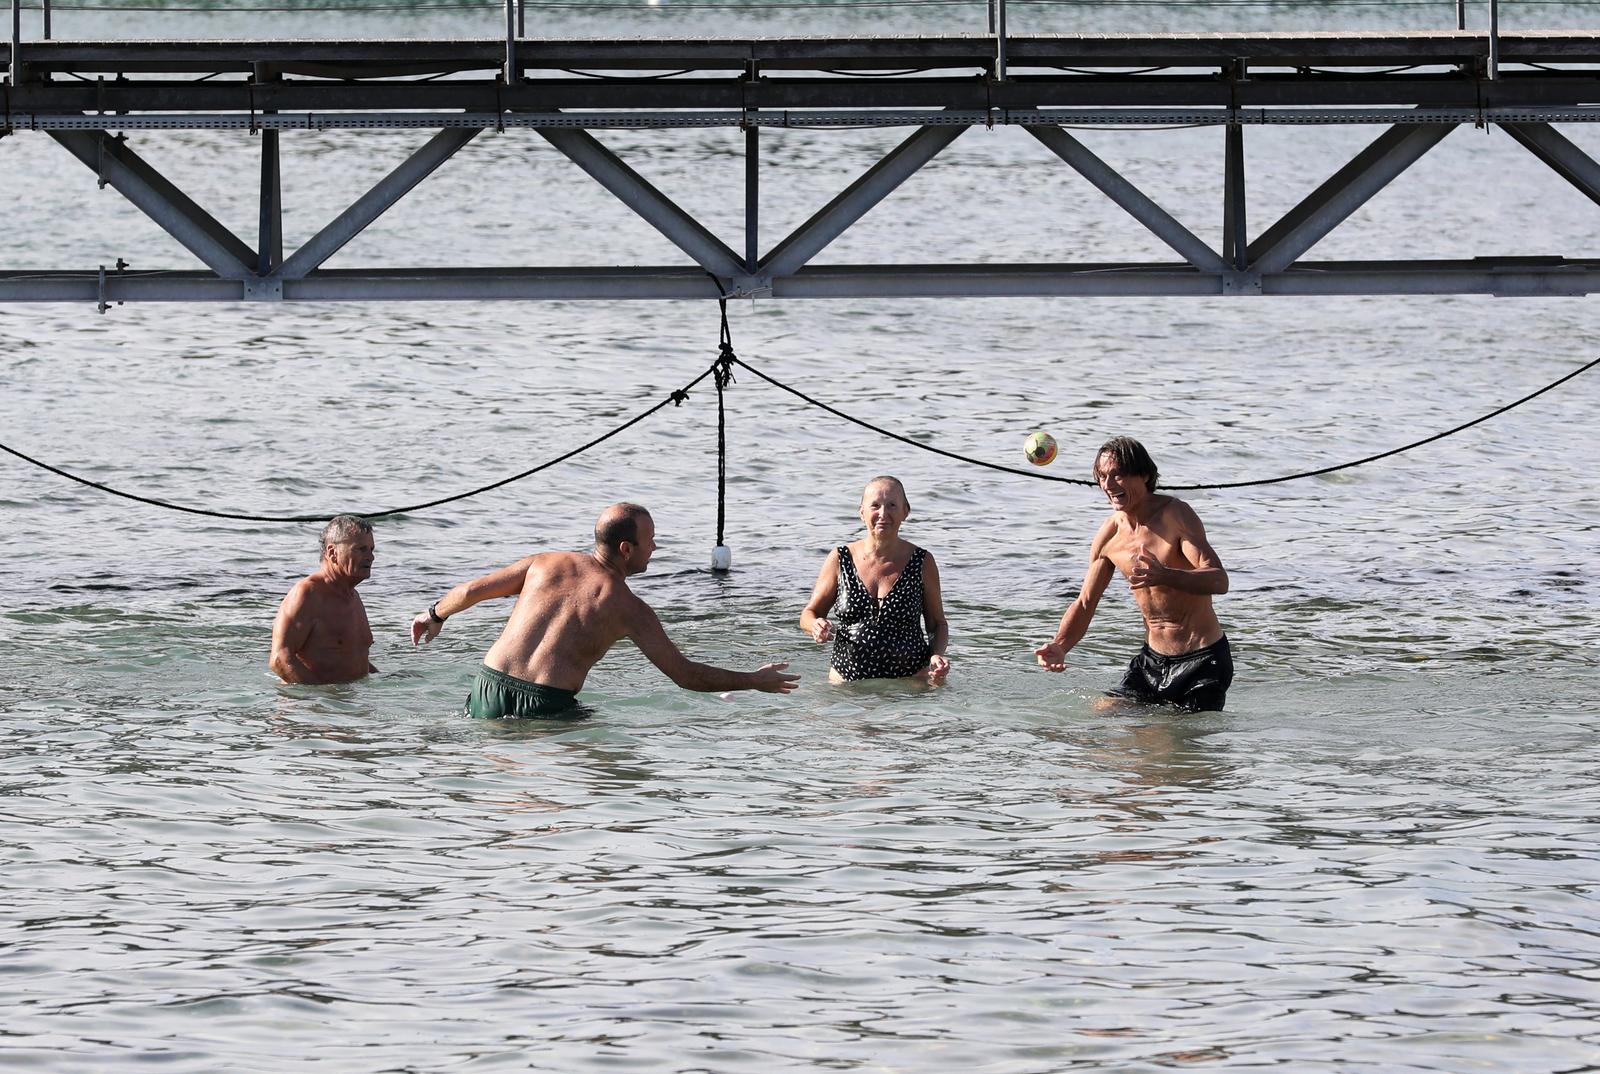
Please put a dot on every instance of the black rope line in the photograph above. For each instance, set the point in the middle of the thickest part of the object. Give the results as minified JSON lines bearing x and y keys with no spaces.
{"x":723,"y":370}
{"x":675,"y":398}
{"x":1176,"y":488}
{"x":1403,"y":448}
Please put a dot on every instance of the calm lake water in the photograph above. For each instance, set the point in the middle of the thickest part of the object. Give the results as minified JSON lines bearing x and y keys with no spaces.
{"x":1381,"y":857}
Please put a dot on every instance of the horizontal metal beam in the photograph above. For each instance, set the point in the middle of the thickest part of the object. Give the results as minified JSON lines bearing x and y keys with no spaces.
{"x":69,"y":93}
{"x":1522,"y":277}
{"x":1102,"y":117}
{"x":415,"y":56}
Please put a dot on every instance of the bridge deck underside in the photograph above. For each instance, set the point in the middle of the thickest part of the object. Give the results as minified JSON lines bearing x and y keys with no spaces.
{"x":1415,"y":88}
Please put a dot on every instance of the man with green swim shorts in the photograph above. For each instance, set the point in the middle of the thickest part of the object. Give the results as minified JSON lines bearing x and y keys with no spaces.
{"x":571,"y":608}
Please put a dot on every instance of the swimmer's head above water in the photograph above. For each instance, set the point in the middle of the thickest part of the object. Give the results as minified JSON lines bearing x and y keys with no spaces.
{"x":1127,"y":455}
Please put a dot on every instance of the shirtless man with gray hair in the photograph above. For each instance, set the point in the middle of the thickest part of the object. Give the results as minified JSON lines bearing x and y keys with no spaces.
{"x":571,"y":608}
{"x":1160,"y":547}
{"x":321,"y":633}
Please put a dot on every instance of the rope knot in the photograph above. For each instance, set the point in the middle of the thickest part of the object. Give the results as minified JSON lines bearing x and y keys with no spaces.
{"x":722,"y":368}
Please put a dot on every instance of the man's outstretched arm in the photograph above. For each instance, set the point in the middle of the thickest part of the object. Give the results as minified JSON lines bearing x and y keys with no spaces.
{"x":651,"y":638}
{"x":505,"y":582}
{"x":1052,"y":655}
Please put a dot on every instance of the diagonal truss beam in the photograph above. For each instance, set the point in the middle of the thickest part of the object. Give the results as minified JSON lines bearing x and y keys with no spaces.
{"x":375,"y":202}
{"x":636,"y":192}
{"x":197,"y":230}
{"x":1115,"y":186}
{"x":1562,"y":157}
{"x":857,"y":199}
{"x":1352,"y":186}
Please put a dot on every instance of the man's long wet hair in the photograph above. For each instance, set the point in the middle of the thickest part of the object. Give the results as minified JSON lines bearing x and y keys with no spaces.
{"x":1130,"y":457}
{"x":623,"y":526}
{"x":342,"y":528}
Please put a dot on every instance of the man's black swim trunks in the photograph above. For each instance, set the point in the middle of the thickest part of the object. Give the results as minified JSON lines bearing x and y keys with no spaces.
{"x":1197,"y":681}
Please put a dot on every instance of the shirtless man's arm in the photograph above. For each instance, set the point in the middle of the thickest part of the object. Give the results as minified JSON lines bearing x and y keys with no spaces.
{"x":1052,"y":655}
{"x":505,"y":582}
{"x":647,"y":633}
{"x":290,"y":632}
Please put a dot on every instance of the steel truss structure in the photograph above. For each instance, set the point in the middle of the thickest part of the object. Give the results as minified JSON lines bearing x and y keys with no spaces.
{"x":1417,"y":86}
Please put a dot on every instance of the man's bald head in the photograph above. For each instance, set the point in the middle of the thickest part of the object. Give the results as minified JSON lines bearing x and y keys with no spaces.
{"x":618,"y":523}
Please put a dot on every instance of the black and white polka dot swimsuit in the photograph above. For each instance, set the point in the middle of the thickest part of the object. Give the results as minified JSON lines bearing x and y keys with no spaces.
{"x":879,"y":640}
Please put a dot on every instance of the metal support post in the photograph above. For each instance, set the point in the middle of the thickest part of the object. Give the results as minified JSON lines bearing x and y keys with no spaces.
{"x":47,"y":20}
{"x":1000,"y":42}
{"x":269,"y":248}
{"x":1494,"y":39}
{"x":16,"y":42}
{"x":511,"y":73}
{"x":1235,"y":239}
{"x":1461,"y":14}
{"x":752,"y":197}
{"x":522,"y":20}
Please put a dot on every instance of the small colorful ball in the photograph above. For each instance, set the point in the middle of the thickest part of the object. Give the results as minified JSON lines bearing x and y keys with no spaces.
{"x":1040,"y":447}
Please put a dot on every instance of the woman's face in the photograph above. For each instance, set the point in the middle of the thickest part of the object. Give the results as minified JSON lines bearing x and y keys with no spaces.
{"x":883,"y":508}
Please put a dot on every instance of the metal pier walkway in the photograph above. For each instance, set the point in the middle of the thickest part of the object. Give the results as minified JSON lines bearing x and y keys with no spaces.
{"x":1416,"y":88}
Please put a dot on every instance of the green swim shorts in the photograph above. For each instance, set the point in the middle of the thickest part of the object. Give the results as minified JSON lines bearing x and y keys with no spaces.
{"x":496,"y":694}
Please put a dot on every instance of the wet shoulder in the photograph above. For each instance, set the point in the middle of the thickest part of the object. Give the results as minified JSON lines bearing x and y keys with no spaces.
{"x":306,"y":595}
{"x":1103,"y":538}
{"x":1175,"y":516}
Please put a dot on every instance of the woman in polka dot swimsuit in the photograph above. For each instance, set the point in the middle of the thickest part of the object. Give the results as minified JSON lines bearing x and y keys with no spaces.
{"x":884,"y":588}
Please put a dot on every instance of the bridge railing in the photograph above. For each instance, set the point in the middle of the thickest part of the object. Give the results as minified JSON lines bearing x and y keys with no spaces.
{"x":515,"y":18}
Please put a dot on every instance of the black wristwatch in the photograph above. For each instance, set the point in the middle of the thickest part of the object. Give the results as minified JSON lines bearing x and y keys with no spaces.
{"x":433,"y":613}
